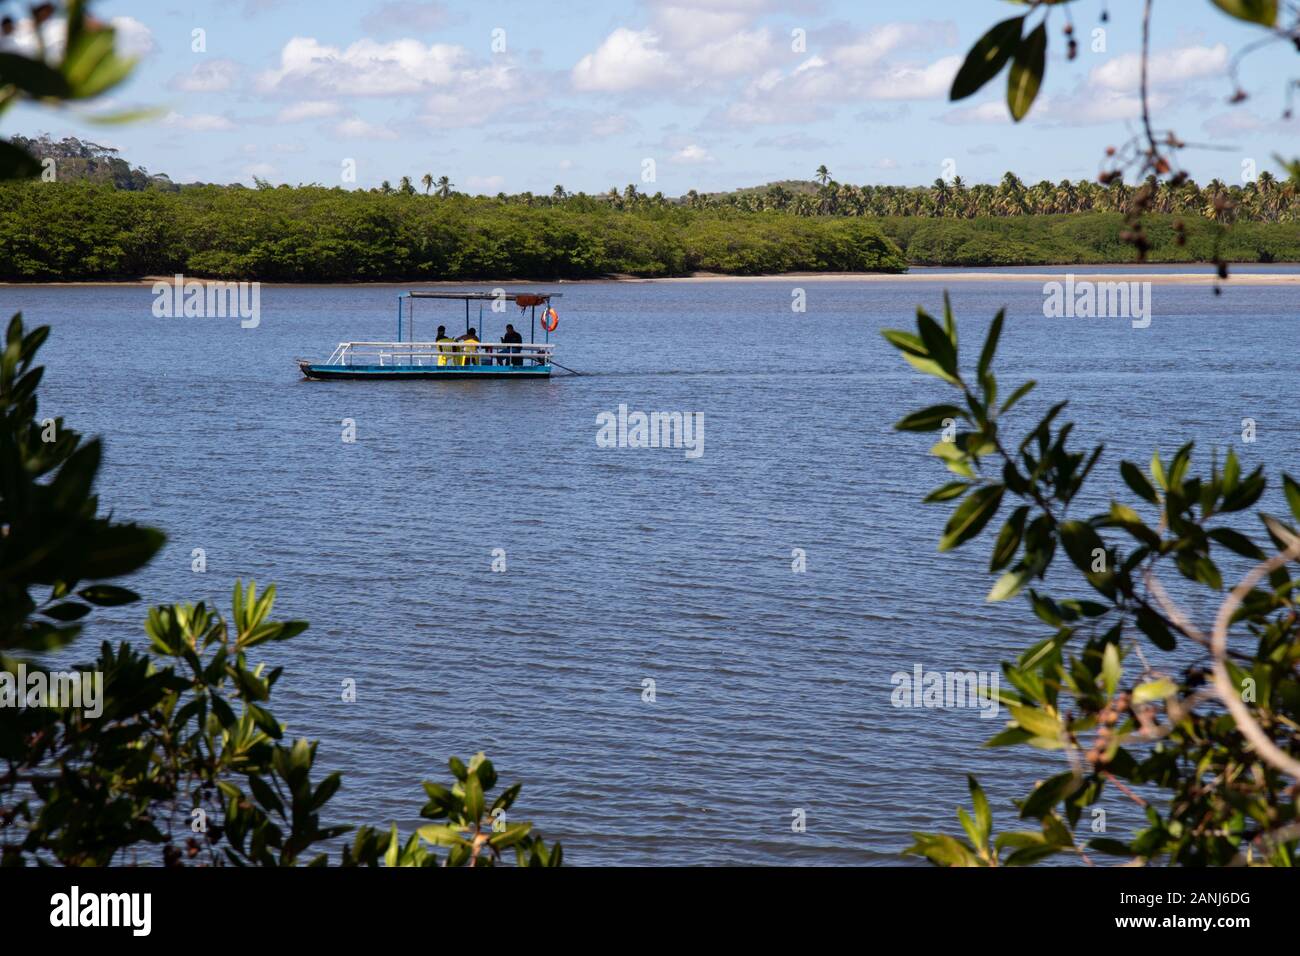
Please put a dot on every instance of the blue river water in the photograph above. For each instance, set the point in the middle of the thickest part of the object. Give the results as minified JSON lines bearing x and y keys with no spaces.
{"x":772,"y":688}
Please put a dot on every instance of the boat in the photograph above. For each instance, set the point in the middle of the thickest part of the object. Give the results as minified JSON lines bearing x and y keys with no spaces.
{"x":407,"y":358}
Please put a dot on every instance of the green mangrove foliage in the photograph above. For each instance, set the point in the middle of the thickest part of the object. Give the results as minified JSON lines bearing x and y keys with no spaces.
{"x":1216,"y":731}
{"x":64,"y":231}
{"x":170,"y":754}
{"x":85,"y":231}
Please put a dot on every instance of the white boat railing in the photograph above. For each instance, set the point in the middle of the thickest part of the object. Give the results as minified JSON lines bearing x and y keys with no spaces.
{"x":441,"y":353}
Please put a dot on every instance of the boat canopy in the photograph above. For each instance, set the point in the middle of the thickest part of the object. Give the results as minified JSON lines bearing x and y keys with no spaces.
{"x":530,"y":298}
{"x":525,"y":300}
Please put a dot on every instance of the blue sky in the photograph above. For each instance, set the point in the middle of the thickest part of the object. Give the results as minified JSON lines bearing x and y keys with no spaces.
{"x":514,"y":95}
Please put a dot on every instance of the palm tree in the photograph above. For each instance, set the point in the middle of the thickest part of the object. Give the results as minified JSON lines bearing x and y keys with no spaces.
{"x":1218,"y":205}
{"x":1039,"y":197}
{"x":444,"y":187}
{"x":823,"y":175}
{"x":940,"y":194}
{"x":959,"y":201}
{"x":1286,"y":200}
{"x":1010,"y":196}
{"x":427,"y":181}
{"x":1067,"y":198}
{"x":385,"y":187}
{"x":558,"y":193}
{"x":404,"y":184}
{"x":1267,"y":193}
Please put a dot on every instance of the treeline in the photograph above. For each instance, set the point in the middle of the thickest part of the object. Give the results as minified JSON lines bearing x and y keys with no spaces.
{"x":87,"y":231}
{"x":71,"y":231}
{"x":1085,"y":238}
{"x":1265,"y":199}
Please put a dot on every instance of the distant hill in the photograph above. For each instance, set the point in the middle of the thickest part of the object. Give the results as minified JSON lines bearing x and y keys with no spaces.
{"x":796,"y":187}
{"x":75,"y":159}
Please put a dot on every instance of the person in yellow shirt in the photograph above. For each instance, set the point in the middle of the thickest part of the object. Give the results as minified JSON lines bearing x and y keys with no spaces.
{"x":470,"y":353}
{"x":445,"y":351}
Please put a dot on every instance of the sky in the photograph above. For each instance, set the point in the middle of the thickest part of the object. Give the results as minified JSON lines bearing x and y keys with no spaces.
{"x":515,"y":95}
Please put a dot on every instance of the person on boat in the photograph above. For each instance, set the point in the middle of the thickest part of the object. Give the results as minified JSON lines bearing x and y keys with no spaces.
{"x":444,"y":351}
{"x":514,"y":338}
{"x":470,"y":339}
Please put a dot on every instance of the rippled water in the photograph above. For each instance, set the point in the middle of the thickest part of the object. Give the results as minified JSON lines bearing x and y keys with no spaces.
{"x":772,"y":688}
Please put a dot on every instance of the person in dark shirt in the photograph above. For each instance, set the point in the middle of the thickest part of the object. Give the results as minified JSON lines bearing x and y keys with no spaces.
{"x":513,"y":338}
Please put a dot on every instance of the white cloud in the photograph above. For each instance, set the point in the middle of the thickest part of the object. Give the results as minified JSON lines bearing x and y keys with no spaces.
{"x":873,"y":46}
{"x":307,"y":110}
{"x":846,"y":68}
{"x":260,"y":170}
{"x":365,"y":68}
{"x":734,"y":55}
{"x":692,"y":154}
{"x":207,"y":76}
{"x":886,"y":163}
{"x":198,"y":122}
{"x":458,"y":90}
{"x":1090,"y":107}
{"x":356,"y":128}
{"x":1168,"y":68}
{"x":626,"y":60}
{"x":806,"y":92}
{"x":687,"y":44}
{"x":480,"y":95}
{"x":133,"y":37}
{"x":990,"y":113}
{"x":683,"y":22}
{"x":914,"y":83}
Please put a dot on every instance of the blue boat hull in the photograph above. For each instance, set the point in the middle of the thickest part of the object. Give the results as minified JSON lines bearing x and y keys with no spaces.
{"x":376,"y":372}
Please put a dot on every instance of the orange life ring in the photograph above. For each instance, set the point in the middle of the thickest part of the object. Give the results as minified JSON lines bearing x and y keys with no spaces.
{"x":553,"y":324}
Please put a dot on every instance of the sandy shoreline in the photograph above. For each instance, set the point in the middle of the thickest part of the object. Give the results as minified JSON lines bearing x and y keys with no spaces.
{"x":925,"y":276}
{"x":1155,"y":278}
